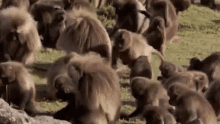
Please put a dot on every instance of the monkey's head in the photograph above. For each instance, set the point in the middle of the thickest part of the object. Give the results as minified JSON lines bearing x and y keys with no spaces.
{"x":122,"y":42}
{"x":167,"y":69}
{"x":7,"y":73}
{"x":202,"y":82}
{"x":123,"y":7}
{"x":174,"y":91}
{"x":195,"y":64}
{"x":137,"y":88}
{"x":66,"y":89}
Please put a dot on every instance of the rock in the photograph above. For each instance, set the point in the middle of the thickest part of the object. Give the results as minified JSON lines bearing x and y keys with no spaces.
{"x":9,"y":115}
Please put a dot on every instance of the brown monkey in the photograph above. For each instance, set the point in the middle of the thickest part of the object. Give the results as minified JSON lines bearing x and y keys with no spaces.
{"x":19,"y":36}
{"x":128,"y":16}
{"x":167,"y":69}
{"x":166,"y":10}
{"x":129,"y":46}
{"x":141,"y":68}
{"x":157,"y":115}
{"x":209,"y":65}
{"x":156,"y":34}
{"x":100,"y":3}
{"x":57,"y":70}
{"x":212,"y":95}
{"x":84,"y":33}
{"x":194,"y":80}
{"x":181,"y":5}
{"x":146,"y":91}
{"x":21,"y":88}
{"x":51,"y":22}
{"x":190,"y":106}
{"x":97,"y":89}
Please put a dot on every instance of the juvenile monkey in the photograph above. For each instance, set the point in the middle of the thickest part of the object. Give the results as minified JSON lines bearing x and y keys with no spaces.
{"x":146,"y":91}
{"x":20,"y":85}
{"x":166,"y":10}
{"x":129,"y":46}
{"x":156,"y":34}
{"x":190,"y":106}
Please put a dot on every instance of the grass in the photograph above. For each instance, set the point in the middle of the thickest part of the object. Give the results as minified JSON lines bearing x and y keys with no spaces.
{"x":199,"y":33}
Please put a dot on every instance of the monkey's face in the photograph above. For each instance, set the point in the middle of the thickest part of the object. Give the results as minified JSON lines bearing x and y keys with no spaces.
{"x":65,"y":87}
{"x":172,"y":93}
{"x":166,"y":68}
{"x":202,"y":82}
{"x":7,"y":73}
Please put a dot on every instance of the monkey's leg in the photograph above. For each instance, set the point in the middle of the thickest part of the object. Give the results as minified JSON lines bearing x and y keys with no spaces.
{"x":24,"y":99}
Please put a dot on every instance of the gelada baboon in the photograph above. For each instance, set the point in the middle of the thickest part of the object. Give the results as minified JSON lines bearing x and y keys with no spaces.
{"x":156,"y":34}
{"x":157,"y":115}
{"x":146,"y":91}
{"x":57,"y":70}
{"x":100,"y":3}
{"x":181,"y":5}
{"x":167,"y":69}
{"x":141,"y":68}
{"x":194,"y":80}
{"x":84,"y":33}
{"x":129,"y":46}
{"x":209,"y":65}
{"x":212,"y":95}
{"x":19,"y":36}
{"x":128,"y":16}
{"x":97,"y":89}
{"x":190,"y":106}
{"x":51,"y":22}
{"x":166,"y":10}
{"x":20,"y":86}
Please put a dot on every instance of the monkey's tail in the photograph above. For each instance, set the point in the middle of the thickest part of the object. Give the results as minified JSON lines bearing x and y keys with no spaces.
{"x":158,"y":54}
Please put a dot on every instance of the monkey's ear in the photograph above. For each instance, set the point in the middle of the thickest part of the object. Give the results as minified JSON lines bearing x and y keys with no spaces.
{"x":127,"y":40}
{"x":147,"y":14}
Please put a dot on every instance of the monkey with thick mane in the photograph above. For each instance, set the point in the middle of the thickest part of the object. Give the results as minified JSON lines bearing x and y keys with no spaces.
{"x":51,"y":22}
{"x":84,"y":33}
{"x":19,"y":36}
{"x":94,"y":88}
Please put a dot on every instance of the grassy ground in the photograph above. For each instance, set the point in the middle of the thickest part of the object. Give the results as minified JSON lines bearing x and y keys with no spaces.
{"x":199,"y":34}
